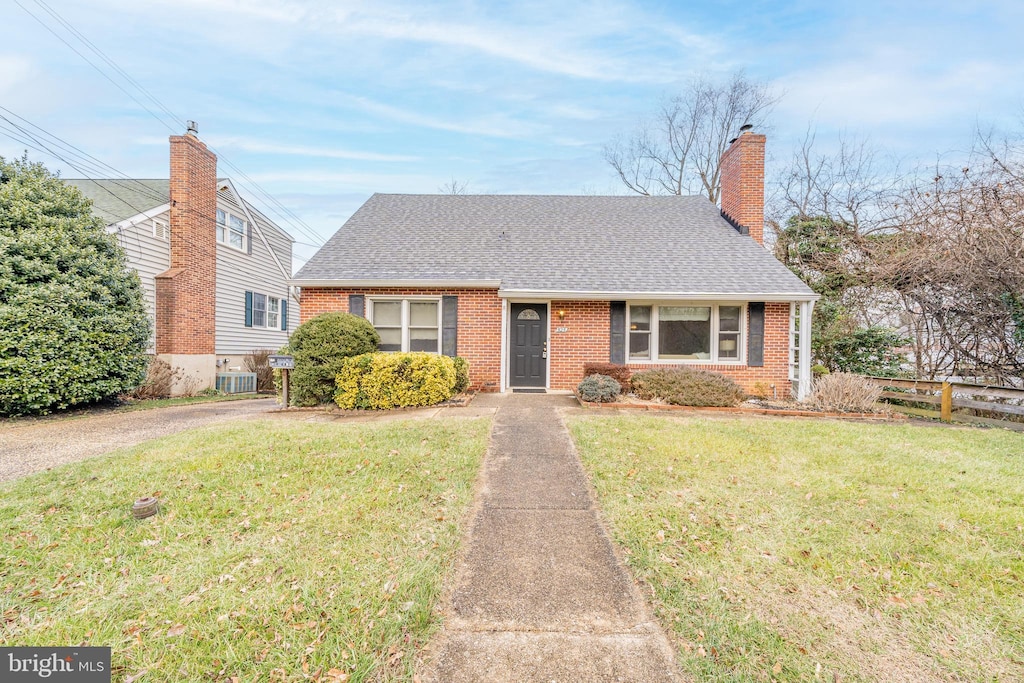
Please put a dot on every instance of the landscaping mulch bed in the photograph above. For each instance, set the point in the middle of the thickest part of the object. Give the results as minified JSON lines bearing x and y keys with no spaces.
{"x":755,"y":407}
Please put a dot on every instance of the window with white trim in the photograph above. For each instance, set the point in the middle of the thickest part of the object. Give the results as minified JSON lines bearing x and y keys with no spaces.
{"x":677,"y":332}
{"x":231,"y":229}
{"x":266,"y":311}
{"x":407,"y":324}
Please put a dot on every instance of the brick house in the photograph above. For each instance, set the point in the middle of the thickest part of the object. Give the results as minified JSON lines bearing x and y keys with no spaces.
{"x":214,"y":269}
{"x":528,"y":288}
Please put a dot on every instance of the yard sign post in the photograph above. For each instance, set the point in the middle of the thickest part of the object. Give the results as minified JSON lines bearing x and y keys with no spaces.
{"x":284,"y":364}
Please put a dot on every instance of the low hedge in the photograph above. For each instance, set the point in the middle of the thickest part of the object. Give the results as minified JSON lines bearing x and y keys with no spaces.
{"x":620,"y":373}
{"x":687,"y":387}
{"x":599,"y":389}
{"x":382,"y":381}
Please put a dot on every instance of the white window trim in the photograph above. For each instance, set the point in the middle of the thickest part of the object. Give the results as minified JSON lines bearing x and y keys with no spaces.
{"x":227,"y":230}
{"x":406,"y":317}
{"x":266,"y":312}
{"x":741,"y":340}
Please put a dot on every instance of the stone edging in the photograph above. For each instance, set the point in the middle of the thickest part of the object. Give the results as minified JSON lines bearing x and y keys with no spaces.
{"x":742,"y":410}
{"x":460,"y":401}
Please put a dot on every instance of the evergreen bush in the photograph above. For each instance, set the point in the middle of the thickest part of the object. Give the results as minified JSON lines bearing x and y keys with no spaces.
{"x":382,"y":381}
{"x":687,"y":387}
{"x":621,"y":373}
{"x":73,"y":325}
{"x":599,"y":389}
{"x":320,"y":346}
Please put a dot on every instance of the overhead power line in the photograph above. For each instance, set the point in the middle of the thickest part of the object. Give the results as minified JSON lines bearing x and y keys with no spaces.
{"x":286,"y":215}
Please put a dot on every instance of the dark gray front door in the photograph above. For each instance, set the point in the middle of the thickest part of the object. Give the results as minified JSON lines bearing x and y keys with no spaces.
{"x":528,"y":347}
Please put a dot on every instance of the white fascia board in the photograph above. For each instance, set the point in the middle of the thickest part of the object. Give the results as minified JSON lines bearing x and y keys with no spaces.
{"x":660,"y":296}
{"x":404,"y":283}
{"x":139,"y":217}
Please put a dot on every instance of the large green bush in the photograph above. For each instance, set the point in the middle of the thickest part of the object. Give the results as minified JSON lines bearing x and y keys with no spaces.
{"x":320,"y":347}
{"x":381,"y":381}
{"x":687,"y":387}
{"x":73,"y":325}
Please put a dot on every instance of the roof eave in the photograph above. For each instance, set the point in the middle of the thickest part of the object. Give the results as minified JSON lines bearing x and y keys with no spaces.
{"x":589,"y":295}
{"x":395,"y":283}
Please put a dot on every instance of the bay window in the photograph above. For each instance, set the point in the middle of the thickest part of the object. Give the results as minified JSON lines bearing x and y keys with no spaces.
{"x":675,"y":332}
{"x":407,"y":324}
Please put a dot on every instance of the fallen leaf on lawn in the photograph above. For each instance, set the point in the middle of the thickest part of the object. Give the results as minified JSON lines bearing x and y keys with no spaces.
{"x":189,"y":599}
{"x":175,"y":630}
{"x":701,"y":651}
{"x":897,"y":600}
{"x":337,"y":675}
{"x":777,"y":669}
{"x":135,"y":677}
{"x":661,"y":535}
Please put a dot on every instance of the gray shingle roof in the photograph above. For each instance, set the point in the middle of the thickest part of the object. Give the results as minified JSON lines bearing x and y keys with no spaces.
{"x":635,"y":244}
{"x":114,"y":200}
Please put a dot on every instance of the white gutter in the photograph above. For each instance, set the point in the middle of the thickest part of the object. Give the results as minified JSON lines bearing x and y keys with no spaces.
{"x":406,"y":283}
{"x":662,"y":296}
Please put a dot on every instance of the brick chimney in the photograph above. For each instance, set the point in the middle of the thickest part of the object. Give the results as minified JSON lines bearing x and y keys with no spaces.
{"x":743,"y":184}
{"x":186,"y":292}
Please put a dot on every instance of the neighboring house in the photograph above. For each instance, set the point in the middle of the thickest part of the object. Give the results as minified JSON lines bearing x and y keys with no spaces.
{"x":529,"y":288}
{"x":214,"y":270}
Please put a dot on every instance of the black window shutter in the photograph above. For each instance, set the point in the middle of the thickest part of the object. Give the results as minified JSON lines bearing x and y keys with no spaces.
{"x":449,"y":325}
{"x":248,"y":309}
{"x":356,"y":304}
{"x":755,"y":343}
{"x":617,"y":340}
{"x":284,"y":315}
{"x":248,"y":238}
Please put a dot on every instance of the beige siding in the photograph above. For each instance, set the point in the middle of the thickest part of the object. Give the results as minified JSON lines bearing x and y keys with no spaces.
{"x":238,"y":272}
{"x":149,"y":255}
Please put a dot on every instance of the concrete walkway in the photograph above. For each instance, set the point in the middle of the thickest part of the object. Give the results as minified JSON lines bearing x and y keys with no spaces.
{"x":539,"y":593}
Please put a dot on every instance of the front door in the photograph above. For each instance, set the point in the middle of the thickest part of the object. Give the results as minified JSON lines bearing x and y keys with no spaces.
{"x":528,"y":345}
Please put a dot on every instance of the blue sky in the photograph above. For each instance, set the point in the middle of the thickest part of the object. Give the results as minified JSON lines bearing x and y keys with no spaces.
{"x":324,"y":103}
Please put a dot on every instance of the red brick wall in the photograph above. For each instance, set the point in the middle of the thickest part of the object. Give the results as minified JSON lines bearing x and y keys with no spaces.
{"x":743,"y":183}
{"x":588,"y":326}
{"x":186,"y":293}
{"x":776,"y":356}
{"x":479,"y":336}
{"x":585,"y":339}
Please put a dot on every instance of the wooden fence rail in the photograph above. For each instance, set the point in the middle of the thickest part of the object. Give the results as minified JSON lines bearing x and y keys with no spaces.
{"x":949,"y":396}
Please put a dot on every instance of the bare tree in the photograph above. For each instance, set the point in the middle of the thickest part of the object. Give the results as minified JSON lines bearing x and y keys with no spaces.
{"x":453,"y":187}
{"x":678,"y":151}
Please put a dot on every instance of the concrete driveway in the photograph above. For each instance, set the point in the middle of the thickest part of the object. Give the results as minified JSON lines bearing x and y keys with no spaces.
{"x":36,"y":445}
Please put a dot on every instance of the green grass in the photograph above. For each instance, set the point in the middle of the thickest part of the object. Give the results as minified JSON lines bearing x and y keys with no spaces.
{"x":807,"y":549}
{"x":282,"y":551}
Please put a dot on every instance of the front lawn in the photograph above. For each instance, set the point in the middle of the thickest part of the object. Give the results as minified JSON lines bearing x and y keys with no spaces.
{"x":820,"y":550}
{"x":283,"y":551}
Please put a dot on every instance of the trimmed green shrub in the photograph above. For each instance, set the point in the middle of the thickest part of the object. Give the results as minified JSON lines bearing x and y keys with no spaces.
{"x":73,"y":325}
{"x":321,"y":346}
{"x":687,"y":387}
{"x":461,"y":374}
{"x":621,"y":373}
{"x":599,"y":389}
{"x":382,"y":381}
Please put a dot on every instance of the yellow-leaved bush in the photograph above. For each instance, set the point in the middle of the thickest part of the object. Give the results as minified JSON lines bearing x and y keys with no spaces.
{"x":381,"y":381}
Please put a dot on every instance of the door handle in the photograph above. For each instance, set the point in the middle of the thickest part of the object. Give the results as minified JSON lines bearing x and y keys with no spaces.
{"x":544,"y":353}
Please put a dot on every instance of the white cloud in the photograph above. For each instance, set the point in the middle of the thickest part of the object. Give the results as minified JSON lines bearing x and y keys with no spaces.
{"x":252,"y":145}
